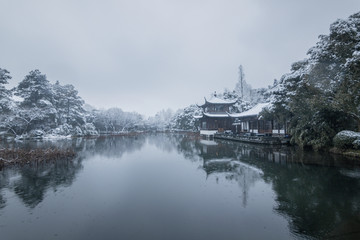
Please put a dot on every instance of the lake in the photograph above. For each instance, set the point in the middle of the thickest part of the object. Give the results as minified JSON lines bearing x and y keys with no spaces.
{"x":178,"y":186}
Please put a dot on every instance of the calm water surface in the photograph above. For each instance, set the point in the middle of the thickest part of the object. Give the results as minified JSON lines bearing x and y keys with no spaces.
{"x":180,"y":187}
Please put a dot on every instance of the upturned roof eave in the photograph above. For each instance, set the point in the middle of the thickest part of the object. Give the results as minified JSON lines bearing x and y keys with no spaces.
{"x":208,"y":102}
{"x":244,"y":116}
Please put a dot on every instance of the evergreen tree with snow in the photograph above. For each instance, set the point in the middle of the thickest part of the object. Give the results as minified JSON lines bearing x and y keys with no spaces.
{"x":320,"y":95}
{"x":35,"y":89}
{"x":5,"y":94}
{"x":68,"y":104}
{"x":184,"y":119}
{"x":36,"y":110}
{"x":344,"y":46}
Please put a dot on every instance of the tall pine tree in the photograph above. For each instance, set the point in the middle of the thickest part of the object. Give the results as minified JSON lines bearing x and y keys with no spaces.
{"x":33,"y":89}
{"x":5,"y":94}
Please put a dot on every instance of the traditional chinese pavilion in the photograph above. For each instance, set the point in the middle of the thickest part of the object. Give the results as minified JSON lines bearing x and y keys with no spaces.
{"x":215,"y":116}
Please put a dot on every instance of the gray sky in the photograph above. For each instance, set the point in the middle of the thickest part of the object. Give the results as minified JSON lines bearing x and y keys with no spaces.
{"x":149,"y":55}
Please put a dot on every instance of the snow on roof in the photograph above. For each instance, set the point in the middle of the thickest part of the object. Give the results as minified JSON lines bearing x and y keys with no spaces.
{"x":216,"y":100}
{"x":198,"y":117}
{"x":216,"y":114}
{"x":253,"y":111}
{"x":219,"y":160}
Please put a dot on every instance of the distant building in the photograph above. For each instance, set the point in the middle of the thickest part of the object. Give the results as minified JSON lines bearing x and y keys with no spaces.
{"x":215,"y":116}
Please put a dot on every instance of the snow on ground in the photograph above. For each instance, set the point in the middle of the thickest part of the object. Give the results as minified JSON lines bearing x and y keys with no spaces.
{"x":351,"y":134}
{"x":55,"y":137}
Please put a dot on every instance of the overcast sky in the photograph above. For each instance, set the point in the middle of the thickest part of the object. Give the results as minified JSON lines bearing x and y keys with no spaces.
{"x":149,"y":55}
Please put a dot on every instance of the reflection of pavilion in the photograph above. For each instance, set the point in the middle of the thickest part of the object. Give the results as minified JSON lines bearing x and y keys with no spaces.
{"x":219,"y":160}
{"x":304,"y":194}
{"x":212,"y":150}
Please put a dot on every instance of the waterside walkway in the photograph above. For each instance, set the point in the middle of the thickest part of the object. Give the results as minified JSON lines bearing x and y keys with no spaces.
{"x":254,"y":139}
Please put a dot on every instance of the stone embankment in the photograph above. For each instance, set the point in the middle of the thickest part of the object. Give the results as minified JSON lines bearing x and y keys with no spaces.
{"x":255,"y":139}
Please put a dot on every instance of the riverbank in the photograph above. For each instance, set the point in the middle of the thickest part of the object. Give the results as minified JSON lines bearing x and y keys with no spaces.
{"x":22,"y":156}
{"x":347,"y":152}
{"x":267,"y":140}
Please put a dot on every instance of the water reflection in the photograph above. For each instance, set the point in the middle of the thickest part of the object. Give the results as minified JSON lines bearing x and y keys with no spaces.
{"x":31,"y":182}
{"x":185,"y":144}
{"x":4,"y":182}
{"x":317,"y":199}
{"x":111,"y":147}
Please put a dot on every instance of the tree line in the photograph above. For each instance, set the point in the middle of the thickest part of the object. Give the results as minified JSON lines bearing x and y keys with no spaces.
{"x":36,"y":107}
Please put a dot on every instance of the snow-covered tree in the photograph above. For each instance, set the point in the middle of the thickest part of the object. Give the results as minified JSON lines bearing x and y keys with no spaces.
{"x":161,"y":120}
{"x":5,"y":95}
{"x":345,"y":46}
{"x":246,"y":97}
{"x":242,"y":88}
{"x":184,"y":119}
{"x":68,"y":104}
{"x":37,"y":102}
{"x":34,"y":88}
{"x":115,"y":120}
{"x":240,"y":85}
{"x":47,"y":108}
{"x":320,"y":95}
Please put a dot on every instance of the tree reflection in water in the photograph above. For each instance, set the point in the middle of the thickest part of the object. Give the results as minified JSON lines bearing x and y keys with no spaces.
{"x":185,"y":144}
{"x":318,"y":199}
{"x":116,"y":146}
{"x":4,"y":182}
{"x":31,"y":182}
{"x":34,"y":181}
